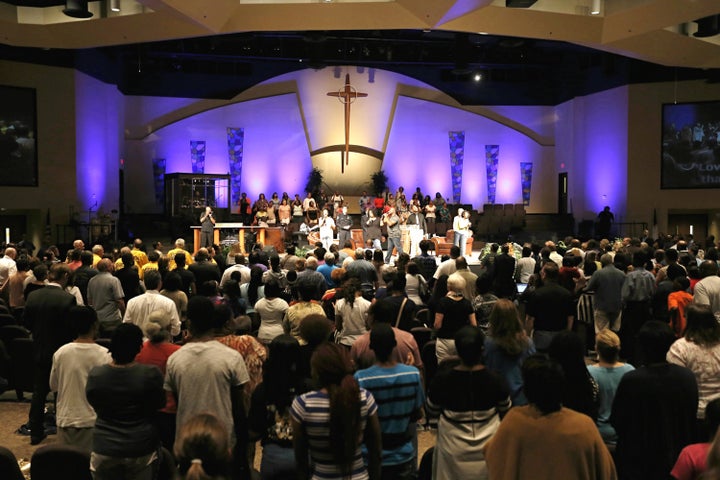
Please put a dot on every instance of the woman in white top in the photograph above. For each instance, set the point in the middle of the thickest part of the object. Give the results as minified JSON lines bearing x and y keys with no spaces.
{"x":415,"y":284}
{"x":461,"y":228}
{"x":253,"y":291}
{"x":271,"y":310}
{"x":699,"y":350}
{"x":351,"y":313}
{"x":327,"y":228}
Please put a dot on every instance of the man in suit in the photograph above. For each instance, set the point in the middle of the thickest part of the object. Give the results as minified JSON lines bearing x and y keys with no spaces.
{"x":416,"y":234}
{"x":46,"y":315}
{"x":343,"y":222}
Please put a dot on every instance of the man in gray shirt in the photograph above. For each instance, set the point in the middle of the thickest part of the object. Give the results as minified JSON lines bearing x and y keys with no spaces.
{"x":106,"y":296}
{"x":607,"y":284}
{"x":393,"y":228}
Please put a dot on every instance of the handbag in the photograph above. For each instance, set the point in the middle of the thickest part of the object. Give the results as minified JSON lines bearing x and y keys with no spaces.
{"x":399,"y":316}
{"x":423,"y":289}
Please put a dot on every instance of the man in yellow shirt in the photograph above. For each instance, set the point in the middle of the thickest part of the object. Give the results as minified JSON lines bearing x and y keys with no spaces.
{"x":141,"y":257}
{"x":179,"y":248}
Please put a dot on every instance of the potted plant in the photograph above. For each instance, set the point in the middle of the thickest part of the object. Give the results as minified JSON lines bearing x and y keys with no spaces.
{"x":379,"y":182}
{"x":314,"y":181}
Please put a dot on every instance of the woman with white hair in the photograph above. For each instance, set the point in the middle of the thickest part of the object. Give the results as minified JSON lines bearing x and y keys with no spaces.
{"x":453,"y":312}
{"x":155,"y":351}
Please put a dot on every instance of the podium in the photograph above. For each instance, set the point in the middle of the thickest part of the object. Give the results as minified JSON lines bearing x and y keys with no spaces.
{"x":265,"y":235}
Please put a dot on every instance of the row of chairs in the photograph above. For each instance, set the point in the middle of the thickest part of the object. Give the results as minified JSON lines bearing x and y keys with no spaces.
{"x":49,"y":460}
{"x":18,"y":346}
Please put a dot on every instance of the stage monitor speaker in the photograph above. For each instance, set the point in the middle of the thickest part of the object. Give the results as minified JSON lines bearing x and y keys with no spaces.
{"x":519,"y":3}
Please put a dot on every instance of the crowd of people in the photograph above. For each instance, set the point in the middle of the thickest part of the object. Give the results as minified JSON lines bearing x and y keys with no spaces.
{"x":382,"y":217}
{"x":333,"y":358}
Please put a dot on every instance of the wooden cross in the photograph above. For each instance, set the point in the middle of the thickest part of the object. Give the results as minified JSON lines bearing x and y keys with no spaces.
{"x":346,"y":95}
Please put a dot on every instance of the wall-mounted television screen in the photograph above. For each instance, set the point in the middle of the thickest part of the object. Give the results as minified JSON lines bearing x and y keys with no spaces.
{"x":691,"y":145}
{"x":18,"y":137}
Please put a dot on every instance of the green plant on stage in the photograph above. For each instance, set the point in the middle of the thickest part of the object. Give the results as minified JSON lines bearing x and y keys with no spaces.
{"x":379,"y":182}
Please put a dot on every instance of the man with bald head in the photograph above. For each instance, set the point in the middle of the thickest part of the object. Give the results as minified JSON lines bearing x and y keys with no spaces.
{"x":707,"y":290}
{"x":7,"y":265}
{"x":105,"y":295}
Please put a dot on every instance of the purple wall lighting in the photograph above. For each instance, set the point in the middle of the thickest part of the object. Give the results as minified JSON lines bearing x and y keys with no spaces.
{"x":457,"y":155}
{"x":492,"y":153}
{"x":235,"y":139}
{"x":197,"y":156}
{"x":526,"y":169}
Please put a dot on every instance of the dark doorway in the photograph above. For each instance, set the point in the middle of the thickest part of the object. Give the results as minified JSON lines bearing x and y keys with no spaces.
{"x":680,"y":223}
{"x":563,"y":193}
{"x":17,"y":225}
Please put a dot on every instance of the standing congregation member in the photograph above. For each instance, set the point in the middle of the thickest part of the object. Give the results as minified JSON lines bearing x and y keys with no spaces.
{"x":398,"y":389}
{"x":555,"y":442}
{"x":330,"y":423}
{"x":125,"y":395}
{"x":47,"y":314}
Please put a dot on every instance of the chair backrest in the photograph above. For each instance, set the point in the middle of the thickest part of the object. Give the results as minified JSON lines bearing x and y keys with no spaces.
{"x":7,"y":319}
{"x":423,"y":316}
{"x":21,"y":364}
{"x":422,"y":335}
{"x":54,"y":461}
{"x":8,"y":333}
{"x":9,"y":468}
{"x":4,"y":309}
{"x":429,"y":360}
{"x":167,"y":469}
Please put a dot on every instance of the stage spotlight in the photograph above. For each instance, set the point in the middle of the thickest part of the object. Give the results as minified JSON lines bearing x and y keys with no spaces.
{"x":77,"y":9}
{"x":477,"y":77}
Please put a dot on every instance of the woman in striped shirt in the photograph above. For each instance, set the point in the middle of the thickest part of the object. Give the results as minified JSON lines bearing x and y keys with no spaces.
{"x":329,"y":424}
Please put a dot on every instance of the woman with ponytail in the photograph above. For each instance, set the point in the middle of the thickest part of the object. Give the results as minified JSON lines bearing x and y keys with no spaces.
{"x":202,"y":450}
{"x":330,"y":423}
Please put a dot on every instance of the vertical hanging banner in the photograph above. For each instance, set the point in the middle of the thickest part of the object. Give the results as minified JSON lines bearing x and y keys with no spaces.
{"x":457,"y":155}
{"x":159,"y":179}
{"x":197,"y":156}
{"x":235,"y":139}
{"x":526,"y":181}
{"x":491,"y":165}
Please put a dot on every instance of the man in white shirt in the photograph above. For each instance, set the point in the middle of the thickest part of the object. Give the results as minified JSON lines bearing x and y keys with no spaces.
{"x":139,"y":308}
{"x":68,"y":377}
{"x":238,"y":266}
{"x":8,"y":267}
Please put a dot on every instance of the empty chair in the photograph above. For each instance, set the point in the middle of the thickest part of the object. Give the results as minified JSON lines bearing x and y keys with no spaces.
{"x":4,"y":309}
{"x":9,"y":468}
{"x":53,"y":461}
{"x":8,"y":333}
{"x":422,"y":335}
{"x":19,"y":314}
{"x":423,"y":316}
{"x":508,"y":209}
{"x":7,"y":319}
{"x":21,"y":365}
{"x":167,"y":470}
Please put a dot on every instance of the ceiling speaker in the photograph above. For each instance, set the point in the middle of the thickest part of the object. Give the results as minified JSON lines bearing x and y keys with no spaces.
{"x":519,"y":3}
{"x":77,"y":9}
{"x":708,"y":26}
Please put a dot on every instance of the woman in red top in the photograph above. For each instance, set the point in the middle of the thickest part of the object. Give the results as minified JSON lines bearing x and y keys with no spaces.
{"x":155,"y":351}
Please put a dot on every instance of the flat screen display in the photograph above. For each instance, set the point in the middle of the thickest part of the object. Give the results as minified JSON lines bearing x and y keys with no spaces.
{"x":18,"y":137}
{"x":691,"y":145}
